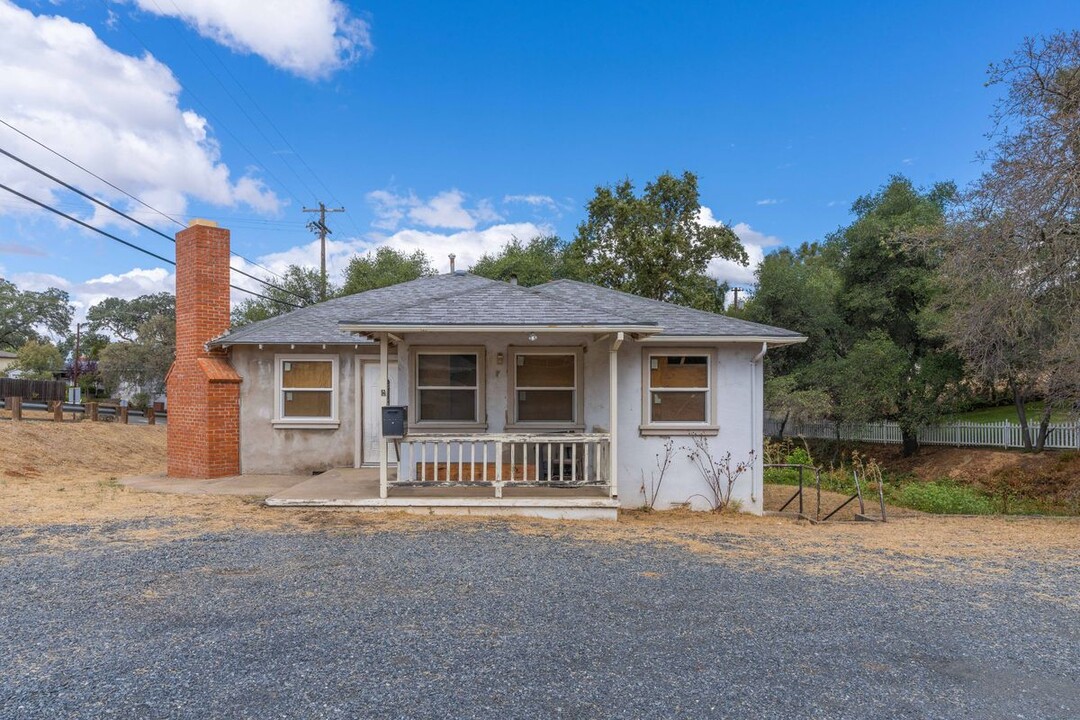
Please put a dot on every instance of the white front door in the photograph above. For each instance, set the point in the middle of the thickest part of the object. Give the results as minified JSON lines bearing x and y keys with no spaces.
{"x":371,"y":409}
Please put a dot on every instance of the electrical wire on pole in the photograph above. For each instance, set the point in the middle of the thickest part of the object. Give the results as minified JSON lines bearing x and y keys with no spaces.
{"x":125,"y":192}
{"x":133,"y":246}
{"x":319,"y":228}
{"x":124,"y":215}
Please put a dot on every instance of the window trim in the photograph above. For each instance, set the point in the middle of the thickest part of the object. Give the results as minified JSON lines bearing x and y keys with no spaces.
{"x":661,"y":427}
{"x":578,"y":422}
{"x":280,"y":420}
{"x":480,"y":421}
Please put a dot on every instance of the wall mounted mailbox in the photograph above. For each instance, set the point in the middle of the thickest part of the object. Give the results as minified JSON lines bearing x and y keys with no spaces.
{"x":395,"y":420}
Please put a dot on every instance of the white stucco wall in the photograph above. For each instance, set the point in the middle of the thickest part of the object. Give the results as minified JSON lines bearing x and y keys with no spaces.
{"x":737,"y":390}
{"x":266,"y":449}
{"x":736,"y":387}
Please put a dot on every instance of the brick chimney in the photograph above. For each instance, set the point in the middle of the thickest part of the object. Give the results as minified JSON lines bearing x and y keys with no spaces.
{"x":203,"y":389}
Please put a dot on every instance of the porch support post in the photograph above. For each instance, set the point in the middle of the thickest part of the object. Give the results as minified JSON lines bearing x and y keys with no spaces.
{"x":613,"y":409}
{"x":384,"y":378}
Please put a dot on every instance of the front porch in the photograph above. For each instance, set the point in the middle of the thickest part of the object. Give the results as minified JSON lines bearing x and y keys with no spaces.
{"x":359,"y":488}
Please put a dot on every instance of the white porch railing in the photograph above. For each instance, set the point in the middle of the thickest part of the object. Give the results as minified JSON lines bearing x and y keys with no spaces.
{"x":554,"y":460}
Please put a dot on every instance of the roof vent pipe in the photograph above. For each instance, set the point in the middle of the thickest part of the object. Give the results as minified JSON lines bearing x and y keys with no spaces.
{"x":513,"y":279}
{"x":452,"y":258}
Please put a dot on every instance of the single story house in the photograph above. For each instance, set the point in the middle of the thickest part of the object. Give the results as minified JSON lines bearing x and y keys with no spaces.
{"x":569,"y":389}
{"x":7,"y":359}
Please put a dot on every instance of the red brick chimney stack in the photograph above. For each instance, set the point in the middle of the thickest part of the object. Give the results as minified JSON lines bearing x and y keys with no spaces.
{"x":202,"y":388}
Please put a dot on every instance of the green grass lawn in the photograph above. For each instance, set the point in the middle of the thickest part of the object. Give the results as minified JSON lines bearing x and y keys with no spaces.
{"x":1006,"y":412}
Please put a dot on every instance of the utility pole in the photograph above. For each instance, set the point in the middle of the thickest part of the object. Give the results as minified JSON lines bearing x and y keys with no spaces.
{"x":319,"y":228}
{"x":735,"y":300}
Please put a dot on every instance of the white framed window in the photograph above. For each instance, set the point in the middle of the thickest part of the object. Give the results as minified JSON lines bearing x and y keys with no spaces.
{"x":546,"y":387}
{"x":677,"y":389}
{"x":448,"y":386}
{"x":306,"y":389}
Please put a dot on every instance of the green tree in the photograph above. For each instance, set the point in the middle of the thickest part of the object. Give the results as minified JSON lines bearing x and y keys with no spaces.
{"x":542,"y":259}
{"x":123,"y":318}
{"x":24,"y":314}
{"x":383,"y":268}
{"x":799,"y":289}
{"x":889,"y":286}
{"x":654,"y":245}
{"x":38,"y":360}
{"x":305,"y":282}
{"x":143,"y":362}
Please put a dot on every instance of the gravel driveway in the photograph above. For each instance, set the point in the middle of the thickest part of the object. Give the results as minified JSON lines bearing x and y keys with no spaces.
{"x":489,"y":623}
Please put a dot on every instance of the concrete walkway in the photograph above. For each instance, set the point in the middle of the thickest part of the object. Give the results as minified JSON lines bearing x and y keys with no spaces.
{"x":248,"y":485}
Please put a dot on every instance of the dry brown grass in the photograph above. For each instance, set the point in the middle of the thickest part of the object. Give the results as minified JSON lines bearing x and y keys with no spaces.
{"x":65,"y":474}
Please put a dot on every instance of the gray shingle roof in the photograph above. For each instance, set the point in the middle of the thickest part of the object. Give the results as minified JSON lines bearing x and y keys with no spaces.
{"x":674,"y":319}
{"x":496,"y":304}
{"x":318,"y":324}
{"x":462,"y":299}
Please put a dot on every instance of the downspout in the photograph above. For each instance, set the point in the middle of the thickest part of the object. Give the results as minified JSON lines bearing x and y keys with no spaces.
{"x":757,"y":423}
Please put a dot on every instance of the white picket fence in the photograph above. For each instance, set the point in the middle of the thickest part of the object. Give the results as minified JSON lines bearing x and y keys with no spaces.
{"x":1005,"y":434}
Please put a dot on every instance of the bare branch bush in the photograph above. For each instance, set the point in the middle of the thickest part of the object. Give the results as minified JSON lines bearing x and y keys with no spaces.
{"x":719,"y":473}
{"x":650,"y":489}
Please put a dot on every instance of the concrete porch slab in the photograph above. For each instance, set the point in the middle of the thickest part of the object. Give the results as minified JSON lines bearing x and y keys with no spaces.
{"x":359,"y":489}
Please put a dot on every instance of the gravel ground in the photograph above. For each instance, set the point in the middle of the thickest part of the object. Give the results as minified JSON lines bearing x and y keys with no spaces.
{"x":489,"y":623}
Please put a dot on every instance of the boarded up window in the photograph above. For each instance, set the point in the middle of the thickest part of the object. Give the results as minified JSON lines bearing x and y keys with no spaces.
{"x":545,"y":387}
{"x":679,"y":388}
{"x":307,"y":374}
{"x":307,"y":404}
{"x":307,"y":389}
{"x":447,"y":386}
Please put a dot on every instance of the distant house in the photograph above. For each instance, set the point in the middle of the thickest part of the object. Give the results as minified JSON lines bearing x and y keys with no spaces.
{"x":7,"y":359}
{"x":568,"y":389}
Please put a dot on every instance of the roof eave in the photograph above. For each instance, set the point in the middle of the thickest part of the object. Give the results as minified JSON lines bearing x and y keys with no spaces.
{"x":367,"y":328}
{"x":772,"y":340}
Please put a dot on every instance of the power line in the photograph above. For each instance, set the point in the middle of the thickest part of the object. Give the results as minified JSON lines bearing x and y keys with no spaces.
{"x":125,"y":192}
{"x":89,"y":172}
{"x":133,"y":246}
{"x":207,"y":109}
{"x":255,"y":104}
{"x":320,"y":227}
{"x":124,"y":215}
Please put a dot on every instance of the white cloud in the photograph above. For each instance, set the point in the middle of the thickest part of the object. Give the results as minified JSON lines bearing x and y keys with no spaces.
{"x":755,"y":243}
{"x":116,"y":114}
{"x":445,"y":210}
{"x":467,"y":245}
{"x":130,"y":284}
{"x":769,"y":201}
{"x":534,"y":200}
{"x":311,"y":39}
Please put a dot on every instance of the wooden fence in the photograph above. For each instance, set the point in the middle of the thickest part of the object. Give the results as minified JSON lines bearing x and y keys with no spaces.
{"x":1004,"y":434}
{"x":90,"y":410}
{"x":34,"y":390}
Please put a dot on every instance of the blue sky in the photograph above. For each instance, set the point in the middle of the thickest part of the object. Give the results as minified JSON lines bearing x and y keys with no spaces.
{"x":454,"y":126}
